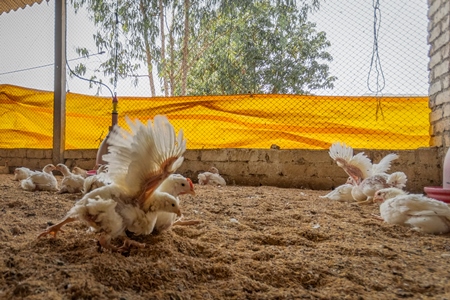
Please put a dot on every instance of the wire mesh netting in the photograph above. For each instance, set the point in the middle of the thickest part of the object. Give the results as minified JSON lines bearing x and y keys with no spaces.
{"x":251,"y":74}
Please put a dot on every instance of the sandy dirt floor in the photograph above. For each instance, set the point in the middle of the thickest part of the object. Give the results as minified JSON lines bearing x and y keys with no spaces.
{"x":253,"y":243}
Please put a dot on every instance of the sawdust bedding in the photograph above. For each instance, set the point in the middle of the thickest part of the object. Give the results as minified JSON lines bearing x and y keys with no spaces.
{"x":253,"y":243}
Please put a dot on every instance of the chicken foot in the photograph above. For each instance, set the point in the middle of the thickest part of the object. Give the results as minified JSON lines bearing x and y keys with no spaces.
{"x":180,"y":222}
{"x":54,"y":229}
{"x":104,"y":242}
{"x":186,"y":223}
{"x":377,"y":217}
{"x":128,"y":243}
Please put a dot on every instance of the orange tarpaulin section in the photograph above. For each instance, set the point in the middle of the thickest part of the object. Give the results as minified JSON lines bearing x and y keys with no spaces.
{"x":236,"y":121}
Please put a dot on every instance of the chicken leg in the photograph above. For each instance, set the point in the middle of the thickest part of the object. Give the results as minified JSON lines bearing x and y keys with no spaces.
{"x":53,"y":230}
{"x":104,"y":242}
{"x":377,"y":217}
{"x":186,"y":223}
{"x":127,"y":243}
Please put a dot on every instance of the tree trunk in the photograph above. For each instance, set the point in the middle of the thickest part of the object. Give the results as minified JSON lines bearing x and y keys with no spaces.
{"x":147,"y":50}
{"x":163,"y":49}
{"x":172,"y":64}
{"x":184,"y":64}
{"x":172,"y":56}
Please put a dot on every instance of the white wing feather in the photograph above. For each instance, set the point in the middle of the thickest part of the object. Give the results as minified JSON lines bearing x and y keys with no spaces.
{"x":338,"y":150}
{"x":145,"y":151}
{"x":384,"y":164}
{"x":358,"y":165}
{"x":397,"y":179}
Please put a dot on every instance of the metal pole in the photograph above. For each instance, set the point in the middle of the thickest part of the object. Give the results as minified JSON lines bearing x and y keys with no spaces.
{"x":59,"y":100}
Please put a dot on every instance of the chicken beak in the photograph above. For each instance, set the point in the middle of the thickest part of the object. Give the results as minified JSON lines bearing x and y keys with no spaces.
{"x":178,"y":213}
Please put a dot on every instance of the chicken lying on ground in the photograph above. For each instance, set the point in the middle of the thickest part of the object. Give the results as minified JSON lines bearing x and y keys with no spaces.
{"x":340,"y":193}
{"x":96,"y":181}
{"x":80,"y":171}
{"x":418,"y":211}
{"x":22,"y":173}
{"x":71,"y":183}
{"x":41,"y":181}
{"x":212,"y":178}
{"x":138,"y":162}
{"x":366,"y":177}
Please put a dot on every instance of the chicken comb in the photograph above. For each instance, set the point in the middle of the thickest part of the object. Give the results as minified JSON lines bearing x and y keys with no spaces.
{"x":190,"y":183}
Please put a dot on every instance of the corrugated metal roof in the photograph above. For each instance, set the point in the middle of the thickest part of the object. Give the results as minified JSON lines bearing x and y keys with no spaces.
{"x":8,"y":5}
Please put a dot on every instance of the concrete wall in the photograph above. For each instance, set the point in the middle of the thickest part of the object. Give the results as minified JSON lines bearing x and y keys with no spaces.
{"x":309,"y":169}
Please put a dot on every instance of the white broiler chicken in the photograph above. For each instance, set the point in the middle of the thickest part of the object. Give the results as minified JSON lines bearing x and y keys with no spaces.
{"x":366,"y":177}
{"x":80,"y":171}
{"x":371,"y":184}
{"x":96,"y":181}
{"x":212,"y":177}
{"x":340,"y":193}
{"x":175,"y":185}
{"x":418,"y":211}
{"x":71,"y":183}
{"x":138,"y":162}
{"x":41,"y":181}
{"x":22,"y":173}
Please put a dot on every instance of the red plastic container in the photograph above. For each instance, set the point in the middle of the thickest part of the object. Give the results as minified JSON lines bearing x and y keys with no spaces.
{"x":438,"y":193}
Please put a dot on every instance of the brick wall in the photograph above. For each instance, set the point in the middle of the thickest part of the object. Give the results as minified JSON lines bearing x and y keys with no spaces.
{"x":439,"y":78}
{"x":309,"y":169}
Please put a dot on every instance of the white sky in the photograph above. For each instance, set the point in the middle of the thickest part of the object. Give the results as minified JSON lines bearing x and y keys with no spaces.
{"x":27,"y":41}
{"x":402,"y":44}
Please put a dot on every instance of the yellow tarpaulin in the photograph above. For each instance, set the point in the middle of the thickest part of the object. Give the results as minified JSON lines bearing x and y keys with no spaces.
{"x":237,"y":121}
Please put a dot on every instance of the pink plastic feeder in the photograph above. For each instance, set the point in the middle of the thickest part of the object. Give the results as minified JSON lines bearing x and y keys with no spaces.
{"x":438,"y":193}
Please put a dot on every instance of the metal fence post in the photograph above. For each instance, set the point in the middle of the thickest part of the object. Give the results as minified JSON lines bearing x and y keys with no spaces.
{"x":59,"y":106}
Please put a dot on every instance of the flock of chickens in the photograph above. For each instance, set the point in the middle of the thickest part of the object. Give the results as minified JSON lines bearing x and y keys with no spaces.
{"x":137,"y":191}
{"x":368,"y":183}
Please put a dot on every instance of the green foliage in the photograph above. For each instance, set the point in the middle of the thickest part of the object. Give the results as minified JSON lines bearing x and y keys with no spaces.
{"x":265,"y":48}
{"x":234,"y":47}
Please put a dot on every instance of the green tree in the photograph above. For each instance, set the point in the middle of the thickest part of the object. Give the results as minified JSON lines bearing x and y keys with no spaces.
{"x":212,"y":47}
{"x":127,"y":31}
{"x":262,"y":48}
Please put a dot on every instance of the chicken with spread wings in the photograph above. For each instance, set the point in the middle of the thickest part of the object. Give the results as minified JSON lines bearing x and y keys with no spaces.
{"x":138,"y":161}
{"x":366,"y":177}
